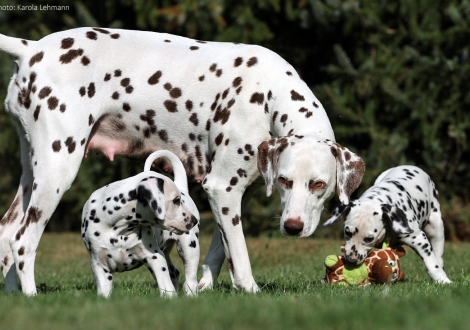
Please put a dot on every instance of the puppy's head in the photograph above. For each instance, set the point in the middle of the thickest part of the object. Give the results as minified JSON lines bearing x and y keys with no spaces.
{"x":164,"y":199}
{"x":366,"y":225}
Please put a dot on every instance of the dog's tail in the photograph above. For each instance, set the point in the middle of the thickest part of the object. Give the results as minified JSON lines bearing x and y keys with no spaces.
{"x":179,"y":172}
{"x":14,"y":46}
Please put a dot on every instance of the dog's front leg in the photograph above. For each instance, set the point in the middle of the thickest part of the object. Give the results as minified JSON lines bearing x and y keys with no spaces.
{"x":226,"y":206}
{"x":216,"y":255}
{"x":189,"y":251}
{"x":158,"y":266}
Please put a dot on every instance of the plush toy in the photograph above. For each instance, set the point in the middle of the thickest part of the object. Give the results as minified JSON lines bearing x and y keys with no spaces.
{"x":380,"y":266}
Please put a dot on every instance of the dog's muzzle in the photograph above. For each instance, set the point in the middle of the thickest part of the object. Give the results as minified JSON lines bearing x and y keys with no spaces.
{"x":192,"y":223}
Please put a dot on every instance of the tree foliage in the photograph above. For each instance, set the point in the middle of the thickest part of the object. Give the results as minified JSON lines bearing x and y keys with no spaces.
{"x":392,"y":75}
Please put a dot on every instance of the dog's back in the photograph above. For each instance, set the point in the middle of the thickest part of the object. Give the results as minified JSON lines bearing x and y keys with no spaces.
{"x":407,"y":187}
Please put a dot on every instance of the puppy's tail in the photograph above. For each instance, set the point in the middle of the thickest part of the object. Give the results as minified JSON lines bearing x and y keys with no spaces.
{"x":14,"y":46}
{"x":179,"y":172}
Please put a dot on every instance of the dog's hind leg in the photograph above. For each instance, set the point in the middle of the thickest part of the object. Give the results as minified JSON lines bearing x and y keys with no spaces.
{"x":212,"y":263}
{"x":55,"y":165}
{"x":11,"y":220}
{"x":103,"y":277}
{"x":420,"y":243}
{"x":434,"y":229}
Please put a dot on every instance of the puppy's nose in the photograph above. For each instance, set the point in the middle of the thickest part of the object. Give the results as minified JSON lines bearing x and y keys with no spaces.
{"x":293,"y":227}
{"x":351,"y":259}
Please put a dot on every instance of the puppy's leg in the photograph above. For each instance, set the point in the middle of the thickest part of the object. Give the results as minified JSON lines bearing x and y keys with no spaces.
{"x":156,"y":262}
{"x":10,"y":222}
{"x":434,"y":229}
{"x":189,"y":251}
{"x":168,"y":244}
{"x":103,"y":278}
{"x":420,"y":243}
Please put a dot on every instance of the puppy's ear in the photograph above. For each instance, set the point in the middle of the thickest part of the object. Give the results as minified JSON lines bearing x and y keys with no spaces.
{"x":350,"y":169}
{"x":150,"y":192}
{"x":396,"y":218}
{"x":400,"y":251}
{"x":340,"y":211}
{"x":268,"y":155}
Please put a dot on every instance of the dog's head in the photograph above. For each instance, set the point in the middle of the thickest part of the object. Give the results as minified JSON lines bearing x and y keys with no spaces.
{"x":164,"y":199}
{"x":306,"y":172}
{"x":366,"y":225}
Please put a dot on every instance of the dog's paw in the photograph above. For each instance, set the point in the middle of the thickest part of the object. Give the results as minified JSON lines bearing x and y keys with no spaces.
{"x":168,"y":294}
{"x":190,"y":289}
{"x":206,"y":284}
{"x":250,"y":287}
{"x":443,"y":280}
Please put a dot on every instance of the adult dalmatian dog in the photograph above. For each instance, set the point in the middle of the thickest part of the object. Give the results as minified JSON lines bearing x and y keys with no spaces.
{"x":224,"y":109}
{"x":402,"y":206}
{"x":136,"y":221}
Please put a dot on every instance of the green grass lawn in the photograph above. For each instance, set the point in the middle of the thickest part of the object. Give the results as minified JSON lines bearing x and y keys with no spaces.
{"x":287,"y":270}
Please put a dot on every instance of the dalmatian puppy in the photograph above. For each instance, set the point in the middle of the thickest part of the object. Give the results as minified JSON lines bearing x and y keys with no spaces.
{"x":402,"y":206}
{"x":224,"y":109}
{"x":136,"y":221}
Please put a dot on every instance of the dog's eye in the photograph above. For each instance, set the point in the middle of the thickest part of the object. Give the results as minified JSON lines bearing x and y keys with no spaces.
{"x":284,"y":182}
{"x":368,"y":239}
{"x":177,"y":200}
{"x":316,"y":185}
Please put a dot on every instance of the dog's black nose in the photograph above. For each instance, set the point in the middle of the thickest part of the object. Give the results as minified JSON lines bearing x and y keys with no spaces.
{"x":293,"y":227}
{"x":352,"y":260}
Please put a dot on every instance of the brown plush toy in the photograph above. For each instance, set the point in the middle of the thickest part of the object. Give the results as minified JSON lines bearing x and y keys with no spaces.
{"x":381,"y":266}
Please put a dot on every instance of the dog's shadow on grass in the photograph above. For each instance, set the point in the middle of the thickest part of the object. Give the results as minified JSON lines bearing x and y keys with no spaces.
{"x":265,"y":287}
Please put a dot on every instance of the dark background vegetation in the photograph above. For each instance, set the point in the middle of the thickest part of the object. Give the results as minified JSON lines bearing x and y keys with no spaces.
{"x":393,"y":77}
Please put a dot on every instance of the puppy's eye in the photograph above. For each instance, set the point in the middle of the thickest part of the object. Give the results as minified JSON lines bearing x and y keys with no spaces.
{"x":316,"y":185}
{"x":369,"y":239}
{"x":284,"y":182}
{"x":177,"y":200}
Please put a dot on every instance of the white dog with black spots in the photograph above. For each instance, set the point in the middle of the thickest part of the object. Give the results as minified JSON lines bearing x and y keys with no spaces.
{"x":214,"y":105}
{"x":136,"y":221}
{"x":403,"y":207}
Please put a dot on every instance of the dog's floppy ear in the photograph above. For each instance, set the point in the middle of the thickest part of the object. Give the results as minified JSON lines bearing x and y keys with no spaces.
{"x":340,"y":211}
{"x":150,"y":191}
{"x":350,"y":169}
{"x":268,"y":155}
{"x":396,"y":218}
